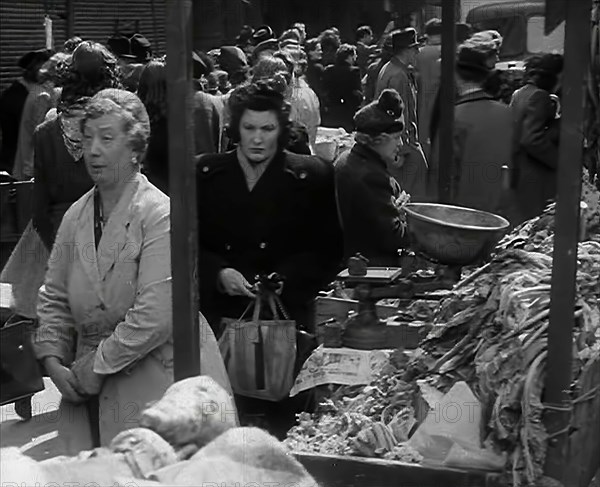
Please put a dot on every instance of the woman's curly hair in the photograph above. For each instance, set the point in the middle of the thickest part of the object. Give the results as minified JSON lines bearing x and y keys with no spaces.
{"x":92,"y":68}
{"x":131,"y":110}
{"x":260,"y":96}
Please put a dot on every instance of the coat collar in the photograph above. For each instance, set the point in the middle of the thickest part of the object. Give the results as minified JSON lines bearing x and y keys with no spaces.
{"x":97,"y":263}
{"x":477,"y":95}
{"x":365,"y":152}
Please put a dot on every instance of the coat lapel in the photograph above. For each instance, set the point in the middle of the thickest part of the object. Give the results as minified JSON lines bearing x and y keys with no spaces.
{"x":115,"y":230}
{"x":84,"y":237}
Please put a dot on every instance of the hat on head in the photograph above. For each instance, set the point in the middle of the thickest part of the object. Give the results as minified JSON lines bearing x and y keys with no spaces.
{"x":381,"y":116}
{"x":289,"y":43}
{"x":544,"y":63}
{"x":433,"y":27}
{"x":491,"y":39}
{"x":232,"y":59}
{"x":475,"y":58}
{"x":119,"y":45}
{"x":245,"y":36}
{"x":38,"y":56}
{"x":140,"y":48}
{"x":263,"y":33}
{"x":404,"y":39}
{"x":269,"y":44}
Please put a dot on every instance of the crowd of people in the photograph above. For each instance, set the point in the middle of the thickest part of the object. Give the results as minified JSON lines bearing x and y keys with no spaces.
{"x":89,"y":125}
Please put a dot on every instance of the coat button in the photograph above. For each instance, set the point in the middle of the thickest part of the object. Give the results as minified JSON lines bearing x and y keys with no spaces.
{"x":205,"y":169}
{"x":102,"y":307}
{"x":227,"y":247}
{"x":303,"y":175}
{"x":263,"y":245}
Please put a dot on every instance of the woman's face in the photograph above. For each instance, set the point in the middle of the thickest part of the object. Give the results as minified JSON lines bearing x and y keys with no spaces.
{"x":389,"y":147}
{"x":108,"y":156}
{"x":259,"y":135}
{"x":317,"y":54}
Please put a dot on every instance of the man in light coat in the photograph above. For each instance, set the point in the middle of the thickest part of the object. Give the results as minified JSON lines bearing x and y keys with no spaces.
{"x":399,"y":74}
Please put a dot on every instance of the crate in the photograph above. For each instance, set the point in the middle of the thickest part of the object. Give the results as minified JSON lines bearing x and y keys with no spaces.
{"x":340,"y":471}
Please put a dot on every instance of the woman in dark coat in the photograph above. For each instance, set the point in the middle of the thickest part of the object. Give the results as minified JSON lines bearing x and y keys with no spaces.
{"x":368,"y":197}
{"x":262,"y":209}
{"x":343,"y":90}
{"x":535,"y":143}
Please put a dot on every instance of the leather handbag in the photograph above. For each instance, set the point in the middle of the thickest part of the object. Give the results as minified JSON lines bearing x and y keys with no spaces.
{"x":20,"y":373}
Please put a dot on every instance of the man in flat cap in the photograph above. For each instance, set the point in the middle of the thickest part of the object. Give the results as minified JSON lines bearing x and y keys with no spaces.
{"x":399,"y":74}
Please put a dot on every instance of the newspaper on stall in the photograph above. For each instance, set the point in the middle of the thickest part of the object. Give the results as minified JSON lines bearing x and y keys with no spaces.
{"x":344,"y":366}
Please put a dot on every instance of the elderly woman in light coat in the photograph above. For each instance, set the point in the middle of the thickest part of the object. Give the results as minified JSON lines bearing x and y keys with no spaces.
{"x":105,"y":310}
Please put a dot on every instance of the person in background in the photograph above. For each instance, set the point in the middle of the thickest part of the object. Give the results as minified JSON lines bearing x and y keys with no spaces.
{"x":202,"y":66}
{"x":42,"y":97}
{"x":264,"y":49}
{"x":535,"y":143}
{"x":105,"y":334}
{"x":314,"y":68}
{"x":399,"y":74}
{"x":289,"y":39}
{"x":71,"y":44}
{"x":233,"y":60}
{"x":301,"y":28}
{"x":330,"y":43}
{"x":343,"y":90}
{"x":368,"y":197}
{"x":12,"y":102}
{"x":364,"y":48}
{"x":60,"y":176}
{"x":428,"y":78}
{"x":133,"y":53}
{"x":370,"y":80}
{"x":305,"y":108}
{"x":482,"y":134}
{"x":152,"y":91}
{"x":244,"y":40}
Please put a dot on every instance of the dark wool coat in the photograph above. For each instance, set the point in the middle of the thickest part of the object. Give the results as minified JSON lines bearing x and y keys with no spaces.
{"x":535,"y":152}
{"x":365,"y":195}
{"x":343,"y":96}
{"x":59,"y":180}
{"x":286,"y":224}
{"x":12,"y":102}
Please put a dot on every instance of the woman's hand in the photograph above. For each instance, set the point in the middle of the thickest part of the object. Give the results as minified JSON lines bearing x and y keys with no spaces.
{"x":234,"y":283}
{"x":63,"y":379}
{"x":87,"y":382}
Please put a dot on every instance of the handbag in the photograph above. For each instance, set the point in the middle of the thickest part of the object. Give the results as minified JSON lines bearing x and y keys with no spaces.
{"x":260,"y":354}
{"x":20,"y":373}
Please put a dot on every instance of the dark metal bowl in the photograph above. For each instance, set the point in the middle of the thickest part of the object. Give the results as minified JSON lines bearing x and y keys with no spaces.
{"x":453,"y":235}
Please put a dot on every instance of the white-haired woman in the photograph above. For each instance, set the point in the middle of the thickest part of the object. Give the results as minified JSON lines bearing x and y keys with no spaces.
{"x":105,"y":310}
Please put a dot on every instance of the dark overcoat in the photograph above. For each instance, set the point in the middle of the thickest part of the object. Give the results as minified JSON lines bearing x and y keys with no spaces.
{"x":343,"y":96}
{"x":286,"y":224}
{"x":366,"y":193}
{"x":535,"y":152}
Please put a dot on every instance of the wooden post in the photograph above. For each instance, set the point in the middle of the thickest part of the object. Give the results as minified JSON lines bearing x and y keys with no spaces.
{"x":184,"y":248}
{"x":447,"y":84}
{"x":564,"y":262}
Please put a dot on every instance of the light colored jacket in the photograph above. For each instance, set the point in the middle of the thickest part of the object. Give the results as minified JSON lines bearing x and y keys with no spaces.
{"x":116,"y":301}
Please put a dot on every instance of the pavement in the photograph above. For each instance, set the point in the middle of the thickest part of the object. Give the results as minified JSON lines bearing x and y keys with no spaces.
{"x":38,"y":436}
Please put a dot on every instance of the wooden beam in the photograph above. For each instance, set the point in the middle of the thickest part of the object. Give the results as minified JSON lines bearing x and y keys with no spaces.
{"x":184,"y":248}
{"x":447,"y":88}
{"x":564,"y":262}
